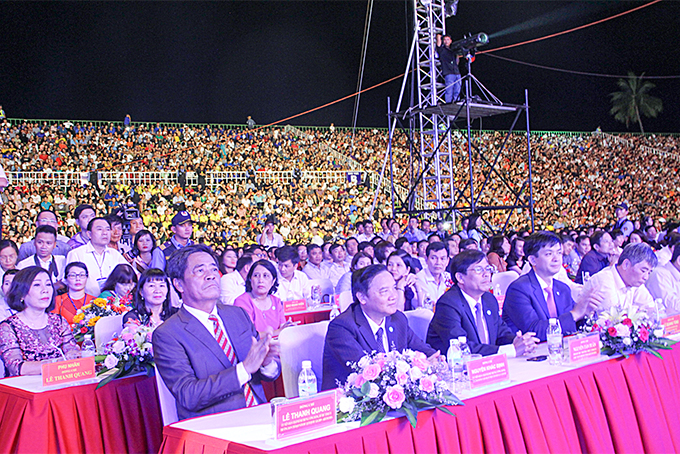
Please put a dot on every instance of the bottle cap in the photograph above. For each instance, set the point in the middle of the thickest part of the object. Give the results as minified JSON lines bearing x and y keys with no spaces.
{"x":306,"y":364}
{"x":88,"y":336}
{"x":462,"y":339}
{"x":552,"y":321}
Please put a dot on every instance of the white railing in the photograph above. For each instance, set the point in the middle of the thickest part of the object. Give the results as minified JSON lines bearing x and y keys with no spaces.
{"x":645,"y":148}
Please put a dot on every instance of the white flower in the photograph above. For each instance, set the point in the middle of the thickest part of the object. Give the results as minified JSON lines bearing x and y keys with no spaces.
{"x":415,"y":373}
{"x":346,"y":404}
{"x":352,"y":378}
{"x":111,"y":361}
{"x":627,"y":341}
{"x":374,"y":391}
{"x":118,"y":346}
{"x":364,"y":361}
{"x":622,"y":330}
{"x":402,"y":366}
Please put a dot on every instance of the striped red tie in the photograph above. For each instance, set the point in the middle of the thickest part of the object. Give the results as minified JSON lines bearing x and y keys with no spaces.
{"x":225,"y":345}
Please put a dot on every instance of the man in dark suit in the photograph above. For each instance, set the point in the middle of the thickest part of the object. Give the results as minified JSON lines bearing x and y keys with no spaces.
{"x":536,"y":297}
{"x":210,"y":356}
{"x":371,"y":323}
{"x":468,"y":309}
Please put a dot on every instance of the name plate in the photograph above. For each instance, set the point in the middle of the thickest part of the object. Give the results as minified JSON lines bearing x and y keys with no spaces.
{"x":582,"y":348}
{"x":68,"y":371}
{"x":671,"y":324}
{"x":294,"y":306}
{"x":307,"y":414}
{"x":488,"y":370}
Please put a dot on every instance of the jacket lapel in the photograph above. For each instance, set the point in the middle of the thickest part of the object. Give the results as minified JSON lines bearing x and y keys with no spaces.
{"x":538,"y":293}
{"x":198,"y":331}
{"x":465,"y":308}
{"x":365,"y":328}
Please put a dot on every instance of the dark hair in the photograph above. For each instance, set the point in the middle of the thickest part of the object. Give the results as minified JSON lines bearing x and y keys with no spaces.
{"x":496,"y":245}
{"x":464,"y":260}
{"x":113,"y":219}
{"x":400,"y":242}
{"x":365,"y":244}
{"x":580,"y":238}
{"x":177,"y":263}
{"x":46,"y":229}
{"x":379,"y":250}
{"x":357,"y":256}
{"x":465,"y":243}
{"x":311,"y":247}
{"x":333,"y":247}
{"x":565,"y":239}
{"x":361,"y":279}
{"x":288,"y":253}
{"x":121,"y":274}
{"x":537,"y":241}
{"x":616,"y":233}
{"x":91,"y":223}
{"x":472,"y":222}
{"x":674,"y":257}
{"x":269,"y":267}
{"x":350,"y":239}
{"x":223,"y":269}
{"x":434,"y":247}
{"x":139,"y":235}
{"x":405,"y":257}
{"x":80,"y":208}
{"x":76,"y":265}
{"x":15,"y":271}
{"x":152,"y":274}
{"x":4,"y":244}
{"x":596,"y":237}
{"x":21,"y":285}
{"x":243,"y":261}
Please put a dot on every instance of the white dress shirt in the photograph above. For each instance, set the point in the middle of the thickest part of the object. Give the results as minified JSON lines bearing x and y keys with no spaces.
{"x":276,"y":240}
{"x":296,"y":289}
{"x":428,"y":283}
{"x":59,"y":262}
{"x":99,"y":267}
{"x":375,"y":327}
{"x":664,"y":255}
{"x":334,"y":272}
{"x":232,"y":286}
{"x":508,"y":349}
{"x":314,"y":272}
{"x":664,"y":283}
{"x":608,"y":283}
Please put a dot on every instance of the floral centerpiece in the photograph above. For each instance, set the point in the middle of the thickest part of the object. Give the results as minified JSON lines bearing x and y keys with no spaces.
{"x":627,"y":329}
{"x":128,"y":353}
{"x":401,"y":382}
{"x":88,"y":315}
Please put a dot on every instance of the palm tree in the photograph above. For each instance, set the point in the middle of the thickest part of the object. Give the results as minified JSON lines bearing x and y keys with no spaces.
{"x":633,"y":100}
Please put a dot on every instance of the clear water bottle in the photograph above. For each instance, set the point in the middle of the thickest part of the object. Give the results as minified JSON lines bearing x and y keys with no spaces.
{"x":335,"y":311}
{"x":454,"y":356}
{"x":466,"y":354}
{"x":88,"y":347}
{"x":428,"y":303}
{"x":315,"y":297}
{"x":306,"y":380}
{"x":554,"y":336}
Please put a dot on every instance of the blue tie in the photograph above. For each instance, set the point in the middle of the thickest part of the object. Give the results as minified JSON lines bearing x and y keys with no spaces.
{"x":379,"y":338}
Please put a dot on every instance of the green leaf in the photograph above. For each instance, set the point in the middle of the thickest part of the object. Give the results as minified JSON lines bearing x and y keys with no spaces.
{"x":99,"y":358}
{"x":373,"y":417}
{"x":411,"y":413}
{"x":366,"y":388}
{"x":653,"y":352}
{"x":109,"y":378}
{"x":445,"y":410}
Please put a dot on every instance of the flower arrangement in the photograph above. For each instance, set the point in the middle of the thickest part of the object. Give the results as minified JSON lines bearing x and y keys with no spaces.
{"x":128,"y":353}
{"x":401,"y":382}
{"x":627,"y":329}
{"x":88,"y":315}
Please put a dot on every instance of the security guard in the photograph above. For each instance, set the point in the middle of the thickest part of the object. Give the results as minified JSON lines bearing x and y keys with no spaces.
{"x":183,"y":228}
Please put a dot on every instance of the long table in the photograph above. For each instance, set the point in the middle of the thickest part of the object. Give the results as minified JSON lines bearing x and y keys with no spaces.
{"x":612,"y":405}
{"x":123,"y":416}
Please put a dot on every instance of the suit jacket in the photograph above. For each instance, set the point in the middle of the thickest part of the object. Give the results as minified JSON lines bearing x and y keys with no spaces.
{"x":194,"y":367}
{"x":453,"y":318}
{"x":526,"y":309}
{"x":350,"y":337}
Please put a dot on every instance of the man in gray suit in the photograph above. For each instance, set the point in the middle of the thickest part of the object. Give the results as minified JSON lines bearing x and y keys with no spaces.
{"x":209,"y":355}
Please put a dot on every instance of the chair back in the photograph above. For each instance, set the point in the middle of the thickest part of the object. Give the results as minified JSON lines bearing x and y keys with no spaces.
{"x":346,"y":300}
{"x":326,"y":288}
{"x":299,"y":343}
{"x":105,"y":328}
{"x":504,"y":280}
{"x":167,"y":401}
{"x":419,"y":321}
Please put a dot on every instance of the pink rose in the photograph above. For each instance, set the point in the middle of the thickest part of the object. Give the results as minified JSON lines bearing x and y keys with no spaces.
{"x":427,"y":384}
{"x":420,"y":361}
{"x":371,"y":372}
{"x":644,"y":334}
{"x":359,"y":381}
{"x":381,"y":364}
{"x":402,"y":378}
{"x":394,"y":396}
{"x":352,"y":378}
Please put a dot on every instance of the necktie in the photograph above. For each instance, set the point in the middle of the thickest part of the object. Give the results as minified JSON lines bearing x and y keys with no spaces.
{"x":379,"y":339}
{"x":550,"y":301}
{"x":225,"y":345}
{"x":479,"y":318}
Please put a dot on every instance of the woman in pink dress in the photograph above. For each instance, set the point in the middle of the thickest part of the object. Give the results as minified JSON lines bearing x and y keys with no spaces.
{"x":265,"y":309}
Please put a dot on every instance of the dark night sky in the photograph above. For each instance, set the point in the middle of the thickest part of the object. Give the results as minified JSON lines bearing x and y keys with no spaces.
{"x":221,"y":61}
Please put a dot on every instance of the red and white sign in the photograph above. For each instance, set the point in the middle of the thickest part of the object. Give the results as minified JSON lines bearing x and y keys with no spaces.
{"x":294,"y":306}
{"x":68,"y":371}
{"x":671,"y":324}
{"x":582,"y":348}
{"x":488,"y":370}
{"x":307,"y":414}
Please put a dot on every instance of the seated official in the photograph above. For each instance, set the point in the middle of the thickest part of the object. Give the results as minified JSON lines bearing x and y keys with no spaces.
{"x":233,"y":285}
{"x":664,"y":282}
{"x":151,"y":301}
{"x":141,"y":254}
{"x":34,"y":334}
{"x":314,"y":269}
{"x":67,"y":304}
{"x":371,"y":323}
{"x":263,"y":307}
{"x":535,"y":297}
{"x":210,"y":355}
{"x":359,"y":261}
{"x":43,"y":244}
{"x":399,"y":264}
{"x":434,"y":280}
{"x":468,"y":309}
{"x":120,"y":285}
{"x":597,"y":259}
{"x":624,"y":282}
{"x":293,"y":284}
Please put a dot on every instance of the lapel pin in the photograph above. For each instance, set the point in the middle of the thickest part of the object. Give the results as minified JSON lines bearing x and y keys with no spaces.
{"x":488,"y":312}
{"x":390,"y":329}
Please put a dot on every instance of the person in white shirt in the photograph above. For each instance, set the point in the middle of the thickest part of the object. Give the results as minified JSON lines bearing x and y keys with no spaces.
{"x":624,"y":282}
{"x":434,"y":279}
{"x":45,"y":241}
{"x":293,"y":284}
{"x":337,"y":267}
{"x":664,"y":282}
{"x":351,"y":247}
{"x":268,"y":237}
{"x":46,"y":217}
{"x":96,"y":255}
{"x":313,"y":268}
{"x":233,"y":285}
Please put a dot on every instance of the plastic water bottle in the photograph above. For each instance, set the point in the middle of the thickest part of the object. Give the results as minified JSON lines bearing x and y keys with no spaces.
{"x":466,"y":354}
{"x":454,"y":356}
{"x":306,"y":380}
{"x":554,"y":336}
{"x":335,"y":311}
{"x":315,"y":298}
{"x":88,"y":347}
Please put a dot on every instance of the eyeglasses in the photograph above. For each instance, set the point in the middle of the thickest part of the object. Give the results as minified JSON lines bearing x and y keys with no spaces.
{"x":481,"y":269}
{"x":77,"y":276}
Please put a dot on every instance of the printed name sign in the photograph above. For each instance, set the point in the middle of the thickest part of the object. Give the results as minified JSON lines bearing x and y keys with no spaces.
{"x":488,"y":370}
{"x":68,"y":371}
{"x":671,"y":324}
{"x":303,"y":415}
{"x":582,"y":348}
{"x":294,"y":306}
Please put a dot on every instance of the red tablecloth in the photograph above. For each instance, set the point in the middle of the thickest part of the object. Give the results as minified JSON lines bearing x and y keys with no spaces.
{"x":123,"y":416}
{"x":305,"y":318}
{"x":621,"y":406}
